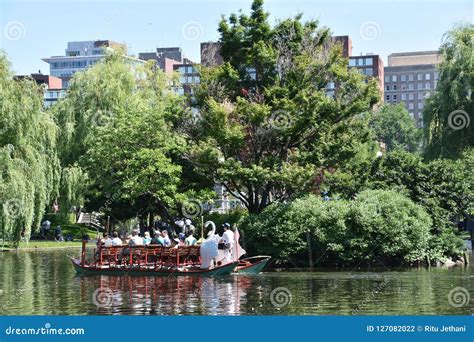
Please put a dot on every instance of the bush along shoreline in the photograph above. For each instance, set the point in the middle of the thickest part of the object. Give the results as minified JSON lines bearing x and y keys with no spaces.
{"x":377,"y":228}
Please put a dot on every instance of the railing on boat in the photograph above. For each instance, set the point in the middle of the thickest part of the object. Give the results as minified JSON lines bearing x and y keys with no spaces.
{"x":155,"y":256}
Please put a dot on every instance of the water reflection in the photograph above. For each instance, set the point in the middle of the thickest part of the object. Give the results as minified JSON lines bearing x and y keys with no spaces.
{"x":171,"y":295}
{"x":44,"y":283}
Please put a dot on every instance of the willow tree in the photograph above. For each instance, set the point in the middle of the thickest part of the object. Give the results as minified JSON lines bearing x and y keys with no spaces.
{"x":268,"y":123}
{"x":29,"y":166}
{"x":118,"y":130}
{"x":448,"y":114}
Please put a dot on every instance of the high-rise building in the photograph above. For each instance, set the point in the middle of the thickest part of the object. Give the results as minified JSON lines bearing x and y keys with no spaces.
{"x":371,"y":66}
{"x":79,"y":56}
{"x":346,"y":43}
{"x":166,"y":58}
{"x":188,"y":77}
{"x":410,"y":77}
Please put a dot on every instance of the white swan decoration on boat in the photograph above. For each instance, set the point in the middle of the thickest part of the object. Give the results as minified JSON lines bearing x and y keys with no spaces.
{"x":208,"y":249}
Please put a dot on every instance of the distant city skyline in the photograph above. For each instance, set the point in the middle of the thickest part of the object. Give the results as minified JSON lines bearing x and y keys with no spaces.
{"x":35,"y":29}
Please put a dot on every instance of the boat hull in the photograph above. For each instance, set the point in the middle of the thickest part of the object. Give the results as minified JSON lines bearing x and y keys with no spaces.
{"x":136,"y":271}
{"x":253,"y":265}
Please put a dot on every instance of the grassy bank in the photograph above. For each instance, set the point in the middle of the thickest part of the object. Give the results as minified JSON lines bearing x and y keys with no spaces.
{"x":76,"y":231}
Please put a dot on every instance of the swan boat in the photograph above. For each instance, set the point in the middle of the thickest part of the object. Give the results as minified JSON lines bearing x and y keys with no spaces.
{"x":157,"y":260}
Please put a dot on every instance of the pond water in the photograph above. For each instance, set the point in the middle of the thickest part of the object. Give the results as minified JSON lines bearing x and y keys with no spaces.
{"x":45,"y":283}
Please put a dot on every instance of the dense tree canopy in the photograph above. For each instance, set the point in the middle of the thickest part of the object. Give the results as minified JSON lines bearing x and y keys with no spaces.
{"x":267,"y":122}
{"x":30,"y":171}
{"x":448,"y":114}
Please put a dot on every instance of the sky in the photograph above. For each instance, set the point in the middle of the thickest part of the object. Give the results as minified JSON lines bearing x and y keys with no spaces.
{"x":35,"y":29}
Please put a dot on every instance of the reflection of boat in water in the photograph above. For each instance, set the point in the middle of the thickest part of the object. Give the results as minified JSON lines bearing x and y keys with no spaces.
{"x":166,"y":295}
{"x":252,"y":265}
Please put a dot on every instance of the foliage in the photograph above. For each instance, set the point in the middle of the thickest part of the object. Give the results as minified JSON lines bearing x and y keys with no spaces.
{"x":267,"y":124}
{"x":445,"y":188}
{"x":378,"y":226}
{"x":393,"y":126}
{"x":122,"y":147}
{"x":30,"y":171}
{"x":448,"y":114}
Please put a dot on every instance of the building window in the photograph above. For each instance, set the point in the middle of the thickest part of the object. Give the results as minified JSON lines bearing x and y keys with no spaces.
{"x":368,"y":61}
{"x":252,"y":73}
{"x":394,"y":78}
{"x":419,"y":86}
{"x":410,"y":86}
{"x":403,"y":97}
{"x":412,"y":115}
{"x":410,"y":96}
{"x":387,"y":79}
{"x":420,"y":105}
{"x":410,"y":106}
{"x":387,"y":98}
{"x":403,"y":78}
{"x":394,"y":97}
{"x":182,"y":70}
{"x":394,"y":87}
{"x":436,"y":75}
{"x":419,"y":77}
{"x":352,"y":62}
{"x":427,"y":85}
{"x":387,"y":88}
{"x":410,"y":77}
{"x":404,"y":86}
{"x":420,"y":96}
{"x":369,"y":72}
{"x":427,"y":77}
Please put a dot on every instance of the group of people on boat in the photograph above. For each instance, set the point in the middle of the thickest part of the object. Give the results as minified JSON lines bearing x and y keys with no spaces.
{"x":159,"y":238}
{"x":184,"y":237}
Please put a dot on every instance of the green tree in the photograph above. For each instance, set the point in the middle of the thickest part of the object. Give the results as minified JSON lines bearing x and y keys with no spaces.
{"x":393,"y":126}
{"x":29,"y":165}
{"x":448,"y":113}
{"x":120,"y":135}
{"x":267,"y":123}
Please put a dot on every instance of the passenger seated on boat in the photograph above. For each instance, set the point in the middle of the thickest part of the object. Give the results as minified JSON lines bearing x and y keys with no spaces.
{"x":166,"y":239}
{"x":158,"y":239}
{"x":116,"y":240}
{"x":147,"y":239}
{"x":135,"y":240}
{"x":190,"y":240}
{"x":106,"y":241}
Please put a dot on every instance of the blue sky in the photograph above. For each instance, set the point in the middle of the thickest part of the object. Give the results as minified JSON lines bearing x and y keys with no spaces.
{"x":32,"y":29}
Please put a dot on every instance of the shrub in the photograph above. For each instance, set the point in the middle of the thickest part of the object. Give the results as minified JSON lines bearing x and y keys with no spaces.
{"x":378,"y":226}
